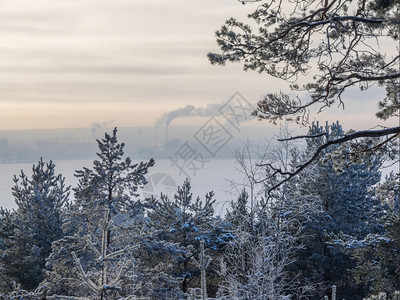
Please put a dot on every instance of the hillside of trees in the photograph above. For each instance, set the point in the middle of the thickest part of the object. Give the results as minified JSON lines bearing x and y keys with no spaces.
{"x":334,"y":224}
{"x":312,"y":212}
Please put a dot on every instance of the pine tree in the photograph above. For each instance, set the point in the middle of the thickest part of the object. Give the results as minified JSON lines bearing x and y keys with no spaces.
{"x":377,"y":254}
{"x":239,"y":215}
{"x":37,"y":222}
{"x":113,"y":181}
{"x":185,"y":220}
{"x":7,"y":227}
{"x":112,"y":184}
{"x":343,"y":188}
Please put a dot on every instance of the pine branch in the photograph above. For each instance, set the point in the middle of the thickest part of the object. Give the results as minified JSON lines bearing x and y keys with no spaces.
{"x":365,"y":78}
{"x":58,"y":297}
{"x":395,"y":131}
{"x":122,"y":271}
{"x":90,"y":243}
{"x":84,"y":276}
{"x":116,"y":253}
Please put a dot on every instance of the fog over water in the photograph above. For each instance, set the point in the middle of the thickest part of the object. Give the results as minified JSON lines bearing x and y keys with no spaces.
{"x":213,"y":177}
{"x":73,"y":149}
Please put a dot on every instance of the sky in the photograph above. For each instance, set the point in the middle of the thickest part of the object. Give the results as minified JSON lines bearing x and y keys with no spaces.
{"x":69,"y":64}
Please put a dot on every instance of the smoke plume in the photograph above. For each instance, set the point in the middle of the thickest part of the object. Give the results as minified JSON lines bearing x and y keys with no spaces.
{"x":96,"y":127}
{"x":187,"y":111}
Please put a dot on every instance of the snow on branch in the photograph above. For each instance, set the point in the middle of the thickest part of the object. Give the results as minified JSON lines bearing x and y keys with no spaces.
{"x":394,"y":131}
{"x":84,"y":276}
{"x":59,"y":297}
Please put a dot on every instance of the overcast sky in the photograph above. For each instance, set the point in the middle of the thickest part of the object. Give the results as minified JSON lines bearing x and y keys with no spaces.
{"x":70,"y":63}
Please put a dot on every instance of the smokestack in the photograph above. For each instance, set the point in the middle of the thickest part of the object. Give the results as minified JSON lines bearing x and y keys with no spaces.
{"x":188,"y":111}
{"x":166,"y":134}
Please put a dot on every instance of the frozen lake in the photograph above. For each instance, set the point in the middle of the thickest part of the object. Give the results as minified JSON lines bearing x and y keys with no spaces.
{"x":164,"y":177}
